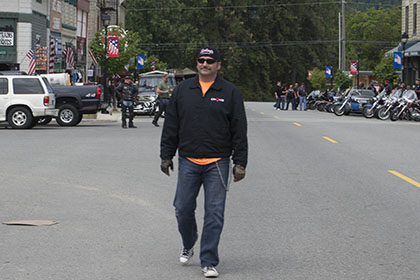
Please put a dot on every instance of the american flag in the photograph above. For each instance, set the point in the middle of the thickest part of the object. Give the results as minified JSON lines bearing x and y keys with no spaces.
{"x":113,"y":47}
{"x":69,"y":57}
{"x":92,"y":56}
{"x":32,"y":61}
{"x":354,"y":67}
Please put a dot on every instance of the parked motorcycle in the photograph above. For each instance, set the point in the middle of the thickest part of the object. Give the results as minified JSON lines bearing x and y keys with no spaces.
{"x":343,"y":107}
{"x":146,"y":104}
{"x":407,"y":102}
{"x":312,"y":98}
{"x":369,"y":109}
{"x":384,"y":112}
{"x":354,"y":101}
{"x":333,"y":100}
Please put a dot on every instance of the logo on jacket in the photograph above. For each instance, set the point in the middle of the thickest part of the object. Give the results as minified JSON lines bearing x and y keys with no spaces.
{"x":217,"y":99}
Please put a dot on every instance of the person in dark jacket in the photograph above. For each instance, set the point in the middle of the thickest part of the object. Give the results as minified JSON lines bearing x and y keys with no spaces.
{"x":277,"y":93}
{"x":127,"y":93}
{"x":206,"y":122}
{"x":290,"y":98}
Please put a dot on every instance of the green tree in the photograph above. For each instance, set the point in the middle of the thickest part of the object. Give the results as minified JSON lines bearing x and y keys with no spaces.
{"x":128,"y":48}
{"x":385,"y":70}
{"x":260,"y":43}
{"x":372,"y":26}
{"x":342,"y":80}
{"x":318,"y":80}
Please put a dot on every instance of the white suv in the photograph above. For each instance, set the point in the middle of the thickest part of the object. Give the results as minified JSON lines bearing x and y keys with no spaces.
{"x":25,"y":99}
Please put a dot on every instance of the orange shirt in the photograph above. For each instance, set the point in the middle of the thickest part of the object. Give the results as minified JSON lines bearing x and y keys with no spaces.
{"x":204,"y":161}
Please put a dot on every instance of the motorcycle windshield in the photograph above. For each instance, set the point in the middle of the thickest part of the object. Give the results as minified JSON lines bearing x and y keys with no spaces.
{"x":409,"y":95}
{"x":396,"y":93}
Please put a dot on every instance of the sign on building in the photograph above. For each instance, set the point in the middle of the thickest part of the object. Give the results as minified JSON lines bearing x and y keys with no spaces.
{"x":7,"y":39}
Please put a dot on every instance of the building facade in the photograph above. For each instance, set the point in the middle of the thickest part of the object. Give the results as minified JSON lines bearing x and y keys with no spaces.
{"x":411,"y":49}
{"x":51,"y":27}
{"x":23,"y":26}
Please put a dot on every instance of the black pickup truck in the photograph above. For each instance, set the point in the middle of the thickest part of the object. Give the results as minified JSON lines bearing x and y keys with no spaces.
{"x":74,"y":101}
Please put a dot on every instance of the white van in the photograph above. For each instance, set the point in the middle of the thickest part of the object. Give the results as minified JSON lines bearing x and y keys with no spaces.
{"x":25,"y":99}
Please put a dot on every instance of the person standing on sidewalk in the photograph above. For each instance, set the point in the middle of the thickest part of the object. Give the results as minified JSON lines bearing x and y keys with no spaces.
{"x":206,"y":122}
{"x":164,"y":91}
{"x":302,"y":97}
{"x":128,"y":94}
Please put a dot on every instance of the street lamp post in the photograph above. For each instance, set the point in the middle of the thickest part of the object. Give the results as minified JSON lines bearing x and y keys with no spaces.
{"x":404,"y":39}
{"x":105,"y":20}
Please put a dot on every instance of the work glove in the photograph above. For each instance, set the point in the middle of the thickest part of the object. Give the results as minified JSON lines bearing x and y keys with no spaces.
{"x":238,"y":172}
{"x":165,"y":165}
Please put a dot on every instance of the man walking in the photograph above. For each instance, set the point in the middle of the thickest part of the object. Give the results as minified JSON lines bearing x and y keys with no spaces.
{"x":164,"y":90}
{"x":206,"y":121}
{"x":127,"y":93}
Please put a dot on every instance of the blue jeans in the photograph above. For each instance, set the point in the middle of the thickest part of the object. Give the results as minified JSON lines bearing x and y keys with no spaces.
{"x":283,"y":101}
{"x":302,"y":101}
{"x":277,"y":105}
{"x":190,"y":178}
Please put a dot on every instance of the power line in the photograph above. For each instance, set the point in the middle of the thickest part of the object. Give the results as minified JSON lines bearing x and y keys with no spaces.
{"x":232,"y":7}
{"x":161,"y":47}
{"x":253,"y":6}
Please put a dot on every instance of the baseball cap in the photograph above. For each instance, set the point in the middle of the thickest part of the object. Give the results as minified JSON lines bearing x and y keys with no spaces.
{"x":209,"y":51}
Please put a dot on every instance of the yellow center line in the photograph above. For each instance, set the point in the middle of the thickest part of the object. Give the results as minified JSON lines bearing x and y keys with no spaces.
{"x":405,"y":178}
{"x":329,"y":139}
{"x":297,"y":124}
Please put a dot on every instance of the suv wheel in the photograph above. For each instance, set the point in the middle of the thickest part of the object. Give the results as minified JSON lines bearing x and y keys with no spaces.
{"x":67,"y":115}
{"x":20,"y":117}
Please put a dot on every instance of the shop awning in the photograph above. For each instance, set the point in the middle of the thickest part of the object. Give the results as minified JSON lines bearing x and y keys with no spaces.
{"x":414,"y":50}
{"x":391,"y":52}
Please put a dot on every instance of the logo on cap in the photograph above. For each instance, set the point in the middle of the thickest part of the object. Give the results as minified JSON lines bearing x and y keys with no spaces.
{"x":206,"y":52}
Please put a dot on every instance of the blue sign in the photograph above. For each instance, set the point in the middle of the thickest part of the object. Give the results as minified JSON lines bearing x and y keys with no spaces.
{"x":397,"y":60}
{"x":328,"y":71}
{"x":140,"y":61}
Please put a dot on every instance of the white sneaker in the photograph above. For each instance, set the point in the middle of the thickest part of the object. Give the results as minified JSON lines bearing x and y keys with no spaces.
{"x":186,"y":255}
{"x":210,"y":272}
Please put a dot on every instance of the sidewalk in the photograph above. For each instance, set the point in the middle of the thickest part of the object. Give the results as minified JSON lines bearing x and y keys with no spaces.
{"x":116,"y":116}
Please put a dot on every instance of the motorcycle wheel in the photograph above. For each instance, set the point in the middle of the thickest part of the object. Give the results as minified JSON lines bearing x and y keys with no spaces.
{"x":368,"y":112}
{"x":339,"y":110}
{"x":312,"y":106}
{"x":329,"y":108}
{"x":321,"y":107}
{"x":394,"y":115}
{"x":383,"y":115}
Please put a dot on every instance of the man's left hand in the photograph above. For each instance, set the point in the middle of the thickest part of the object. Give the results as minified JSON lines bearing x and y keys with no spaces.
{"x":238,"y":172}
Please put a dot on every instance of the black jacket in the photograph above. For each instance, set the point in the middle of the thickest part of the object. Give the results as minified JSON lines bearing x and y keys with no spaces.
{"x":205,"y":127}
{"x":127,"y":92}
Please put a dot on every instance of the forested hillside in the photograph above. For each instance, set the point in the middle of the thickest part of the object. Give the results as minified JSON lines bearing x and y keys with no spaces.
{"x":261,"y":41}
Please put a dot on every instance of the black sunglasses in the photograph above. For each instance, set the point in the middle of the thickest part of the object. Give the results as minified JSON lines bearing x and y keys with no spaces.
{"x":208,"y":60}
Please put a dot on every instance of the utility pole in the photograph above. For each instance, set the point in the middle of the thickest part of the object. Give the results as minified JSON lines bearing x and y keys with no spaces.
{"x":343,"y":34}
{"x":339,"y":42}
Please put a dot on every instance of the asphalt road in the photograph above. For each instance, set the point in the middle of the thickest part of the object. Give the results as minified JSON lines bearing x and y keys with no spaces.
{"x":309,"y":208}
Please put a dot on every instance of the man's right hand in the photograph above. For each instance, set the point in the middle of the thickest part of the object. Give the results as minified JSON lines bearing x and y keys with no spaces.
{"x":165,"y":165}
